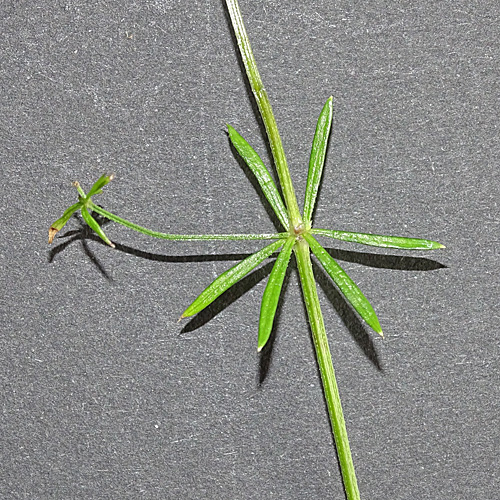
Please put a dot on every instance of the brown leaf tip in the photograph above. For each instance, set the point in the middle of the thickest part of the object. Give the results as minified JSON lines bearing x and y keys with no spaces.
{"x":52,"y":232}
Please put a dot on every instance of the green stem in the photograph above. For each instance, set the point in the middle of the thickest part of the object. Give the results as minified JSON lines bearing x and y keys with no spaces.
{"x":266,"y":112}
{"x":326,"y":369}
{"x":183,"y":237}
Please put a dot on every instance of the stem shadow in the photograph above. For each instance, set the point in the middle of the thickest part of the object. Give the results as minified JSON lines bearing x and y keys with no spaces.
{"x":84,"y":234}
{"x":354,"y":324}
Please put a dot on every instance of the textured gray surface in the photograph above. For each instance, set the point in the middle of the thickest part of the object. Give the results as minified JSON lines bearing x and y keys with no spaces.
{"x":102,"y":397}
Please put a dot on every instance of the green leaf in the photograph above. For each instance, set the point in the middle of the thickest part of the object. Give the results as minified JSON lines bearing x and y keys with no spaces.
{"x":317,"y":159}
{"x":262,"y":175}
{"x":350,"y":290}
{"x":272,"y":293}
{"x":378,"y":240}
{"x":229,"y":278}
{"x":60,"y":223}
{"x":99,"y":184}
{"x":91,"y":222}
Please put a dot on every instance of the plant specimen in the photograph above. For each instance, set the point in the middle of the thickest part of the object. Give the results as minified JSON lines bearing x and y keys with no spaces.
{"x":299,"y":237}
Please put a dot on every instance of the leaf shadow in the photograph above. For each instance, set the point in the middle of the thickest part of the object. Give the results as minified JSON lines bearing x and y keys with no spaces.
{"x":266,"y":354}
{"x":354,"y":324}
{"x":361,"y":333}
{"x":227,"y":298}
{"x":395,"y":262}
{"x":83,"y":235}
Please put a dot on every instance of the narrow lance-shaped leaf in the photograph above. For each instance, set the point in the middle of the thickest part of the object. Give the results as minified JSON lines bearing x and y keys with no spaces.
{"x":317,"y":159}
{"x":91,"y":222}
{"x":350,"y":290}
{"x":229,"y":278}
{"x":272,"y":293}
{"x":59,"y":223}
{"x":99,"y":184}
{"x":378,"y":240}
{"x":262,"y":175}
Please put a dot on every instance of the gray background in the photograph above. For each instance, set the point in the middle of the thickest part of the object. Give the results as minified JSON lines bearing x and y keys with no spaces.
{"x":103,"y":394}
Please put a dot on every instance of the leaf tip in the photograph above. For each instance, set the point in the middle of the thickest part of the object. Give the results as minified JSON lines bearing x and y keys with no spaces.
{"x":441,"y":245}
{"x":52,"y":232}
{"x":261,"y":345}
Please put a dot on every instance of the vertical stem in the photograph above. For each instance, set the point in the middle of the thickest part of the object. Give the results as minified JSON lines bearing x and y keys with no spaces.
{"x":303,"y":257}
{"x":326,"y":369}
{"x":266,"y":111}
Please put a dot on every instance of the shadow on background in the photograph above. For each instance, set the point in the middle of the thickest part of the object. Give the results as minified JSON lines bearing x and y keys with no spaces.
{"x":83,"y":235}
{"x":227,"y":298}
{"x":397,"y":262}
{"x":266,"y":354}
{"x":361,"y":334}
{"x":356,"y":327}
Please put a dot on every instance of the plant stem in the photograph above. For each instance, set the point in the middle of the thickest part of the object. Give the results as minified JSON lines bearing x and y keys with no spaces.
{"x":185,"y":237}
{"x":266,"y":112}
{"x":326,"y":369}
{"x":302,"y":254}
